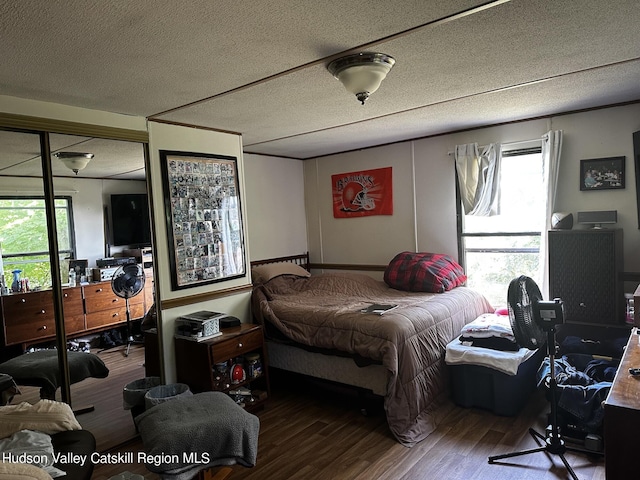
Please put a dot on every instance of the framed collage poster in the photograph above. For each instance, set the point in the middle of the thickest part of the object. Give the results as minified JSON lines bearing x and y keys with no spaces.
{"x":204,"y":221}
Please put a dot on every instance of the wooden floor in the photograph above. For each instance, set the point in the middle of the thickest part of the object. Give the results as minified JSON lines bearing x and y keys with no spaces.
{"x":310,"y":433}
{"x":110,"y":423}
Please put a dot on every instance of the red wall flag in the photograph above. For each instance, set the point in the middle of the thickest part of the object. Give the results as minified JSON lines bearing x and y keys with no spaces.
{"x":358,"y":194}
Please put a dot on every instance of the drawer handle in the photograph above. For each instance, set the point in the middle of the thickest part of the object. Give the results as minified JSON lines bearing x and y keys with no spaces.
{"x":66,"y":295}
{"x":99,"y":290}
{"x":116,"y":314}
{"x":23,"y":300}
{"x":44,"y":327}
{"x":240,"y":345}
{"x":582,"y":305}
{"x":42,"y":312}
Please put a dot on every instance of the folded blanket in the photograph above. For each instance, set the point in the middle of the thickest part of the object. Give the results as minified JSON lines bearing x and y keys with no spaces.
{"x":40,"y":369}
{"x":192,"y":433}
{"x":505,"y":362}
{"x":489,"y":325}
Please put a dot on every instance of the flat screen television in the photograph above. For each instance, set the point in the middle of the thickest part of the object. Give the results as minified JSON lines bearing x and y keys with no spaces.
{"x":130,"y":223}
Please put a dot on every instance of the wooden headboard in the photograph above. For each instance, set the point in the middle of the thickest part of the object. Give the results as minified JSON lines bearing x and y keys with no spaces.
{"x":301,"y":259}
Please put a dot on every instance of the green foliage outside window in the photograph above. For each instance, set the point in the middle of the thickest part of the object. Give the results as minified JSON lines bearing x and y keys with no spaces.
{"x":24,"y":238}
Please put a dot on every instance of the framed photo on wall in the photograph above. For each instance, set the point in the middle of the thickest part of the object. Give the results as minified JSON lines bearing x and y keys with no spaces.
{"x":204,"y":218}
{"x":602,"y":173}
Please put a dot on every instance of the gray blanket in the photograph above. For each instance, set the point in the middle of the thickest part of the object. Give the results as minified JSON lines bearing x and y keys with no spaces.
{"x":192,"y":433}
{"x":40,"y":369}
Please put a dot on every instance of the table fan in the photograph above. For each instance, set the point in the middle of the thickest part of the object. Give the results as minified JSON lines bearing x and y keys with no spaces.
{"x":127,"y":282}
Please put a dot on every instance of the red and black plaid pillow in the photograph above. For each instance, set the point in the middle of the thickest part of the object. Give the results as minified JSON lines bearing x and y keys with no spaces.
{"x":424,"y":272}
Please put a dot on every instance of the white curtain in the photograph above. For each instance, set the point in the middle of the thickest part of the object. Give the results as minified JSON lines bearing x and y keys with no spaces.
{"x":551,"y":151}
{"x":479,"y":178}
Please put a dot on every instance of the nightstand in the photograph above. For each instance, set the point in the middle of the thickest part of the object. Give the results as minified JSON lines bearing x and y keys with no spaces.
{"x":196,"y":361}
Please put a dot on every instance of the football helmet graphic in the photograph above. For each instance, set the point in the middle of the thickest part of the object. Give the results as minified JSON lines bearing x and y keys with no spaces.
{"x":355,"y":198}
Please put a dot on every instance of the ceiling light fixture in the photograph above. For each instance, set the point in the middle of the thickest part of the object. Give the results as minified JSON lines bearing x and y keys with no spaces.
{"x":361,"y":73}
{"x":74,"y":160}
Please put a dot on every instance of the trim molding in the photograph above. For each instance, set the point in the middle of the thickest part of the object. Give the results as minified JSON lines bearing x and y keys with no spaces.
{"x":197,"y":127}
{"x":344,"y":266}
{"x":202,"y":297}
{"x":25,"y":122}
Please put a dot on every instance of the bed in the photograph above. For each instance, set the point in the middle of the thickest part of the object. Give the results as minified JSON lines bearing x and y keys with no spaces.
{"x":314,"y":326}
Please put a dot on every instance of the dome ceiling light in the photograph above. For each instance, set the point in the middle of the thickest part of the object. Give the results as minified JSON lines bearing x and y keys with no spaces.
{"x":361,"y":73}
{"x":74,"y":160}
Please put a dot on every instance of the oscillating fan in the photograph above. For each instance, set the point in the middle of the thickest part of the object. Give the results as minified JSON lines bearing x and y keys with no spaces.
{"x":127,"y":282}
{"x":534,"y":323}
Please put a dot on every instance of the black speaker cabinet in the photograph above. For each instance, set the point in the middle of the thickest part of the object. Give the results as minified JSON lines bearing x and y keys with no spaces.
{"x":584,"y":271}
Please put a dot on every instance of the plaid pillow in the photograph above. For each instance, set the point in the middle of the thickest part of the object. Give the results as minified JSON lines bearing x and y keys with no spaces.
{"x":424,"y":272}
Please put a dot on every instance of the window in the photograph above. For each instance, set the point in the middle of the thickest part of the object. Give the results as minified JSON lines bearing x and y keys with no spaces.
{"x":495,"y":250}
{"x":24,"y":238}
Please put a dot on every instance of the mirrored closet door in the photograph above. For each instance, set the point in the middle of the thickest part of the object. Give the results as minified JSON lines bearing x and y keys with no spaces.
{"x":89,"y":176}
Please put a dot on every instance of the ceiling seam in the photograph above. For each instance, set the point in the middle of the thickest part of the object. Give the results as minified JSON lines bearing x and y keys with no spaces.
{"x":430,"y":24}
{"x":442,"y":102}
{"x":468,"y":129}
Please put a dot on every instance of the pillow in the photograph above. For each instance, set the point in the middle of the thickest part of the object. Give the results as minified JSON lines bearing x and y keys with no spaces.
{"x":264,"y":273}
{"x":424,"y":272}
{"x":47,"y":416}
{"x":22,"y":471}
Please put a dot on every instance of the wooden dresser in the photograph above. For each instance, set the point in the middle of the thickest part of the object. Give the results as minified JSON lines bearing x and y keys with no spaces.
{"x":28,"y":318}
{"x":622,"y":416}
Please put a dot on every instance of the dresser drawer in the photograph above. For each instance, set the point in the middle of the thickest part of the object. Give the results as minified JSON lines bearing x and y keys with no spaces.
{"x":99,"y":297}
{"x":114,"y":315}
{"x":72,"y":302}
{"x":238,"y":345}
{"x":73,"y":324}
{"x":26,"y":329}
{"x":18,"y":303}
{"x":106,"y":317}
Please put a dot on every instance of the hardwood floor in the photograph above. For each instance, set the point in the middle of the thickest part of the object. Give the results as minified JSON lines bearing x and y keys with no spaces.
{"x":110,"y":423}
{"x":307,"y":432}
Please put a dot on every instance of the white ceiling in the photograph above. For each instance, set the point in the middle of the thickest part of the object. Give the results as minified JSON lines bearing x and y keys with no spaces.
{"x":259,"y":68}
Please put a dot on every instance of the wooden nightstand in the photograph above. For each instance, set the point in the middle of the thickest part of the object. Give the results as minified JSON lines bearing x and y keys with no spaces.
{"x":196,"y":361}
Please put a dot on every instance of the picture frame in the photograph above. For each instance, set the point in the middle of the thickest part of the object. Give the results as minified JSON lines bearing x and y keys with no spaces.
{"x":602,"y":173}
{"x":203,"y":217}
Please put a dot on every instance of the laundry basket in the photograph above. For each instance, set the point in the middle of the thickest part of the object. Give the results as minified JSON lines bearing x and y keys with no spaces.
{"x":164,"y":393}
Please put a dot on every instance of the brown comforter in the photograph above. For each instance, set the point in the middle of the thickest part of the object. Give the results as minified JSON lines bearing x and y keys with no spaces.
{"x":324,"y":311}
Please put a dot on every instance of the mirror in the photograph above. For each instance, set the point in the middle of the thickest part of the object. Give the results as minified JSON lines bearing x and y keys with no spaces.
{"x":95,"y":318}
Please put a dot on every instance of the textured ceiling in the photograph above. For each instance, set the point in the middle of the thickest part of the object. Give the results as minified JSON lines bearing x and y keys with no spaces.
{"x":259,"y":68}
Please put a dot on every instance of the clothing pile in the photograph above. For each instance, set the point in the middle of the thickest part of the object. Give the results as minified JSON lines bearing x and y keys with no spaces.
{"x":583,"y":383}
{"x":490,"y":330}
{"x":584,"y":370}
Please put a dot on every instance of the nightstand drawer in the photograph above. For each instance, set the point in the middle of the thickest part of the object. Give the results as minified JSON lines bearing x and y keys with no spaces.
{"x":238,"y":345}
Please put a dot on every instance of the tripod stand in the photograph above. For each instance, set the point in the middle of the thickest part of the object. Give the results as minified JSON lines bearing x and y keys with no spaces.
{"x":553,"y":442}
{"x":130,"y":339}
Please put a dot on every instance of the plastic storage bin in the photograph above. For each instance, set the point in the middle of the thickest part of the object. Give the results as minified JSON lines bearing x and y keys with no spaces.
{"x":484,"y":387}
{"x":165,"y":393}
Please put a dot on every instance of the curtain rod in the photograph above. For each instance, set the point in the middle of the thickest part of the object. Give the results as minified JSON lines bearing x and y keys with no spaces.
{"x":508,"y":144}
